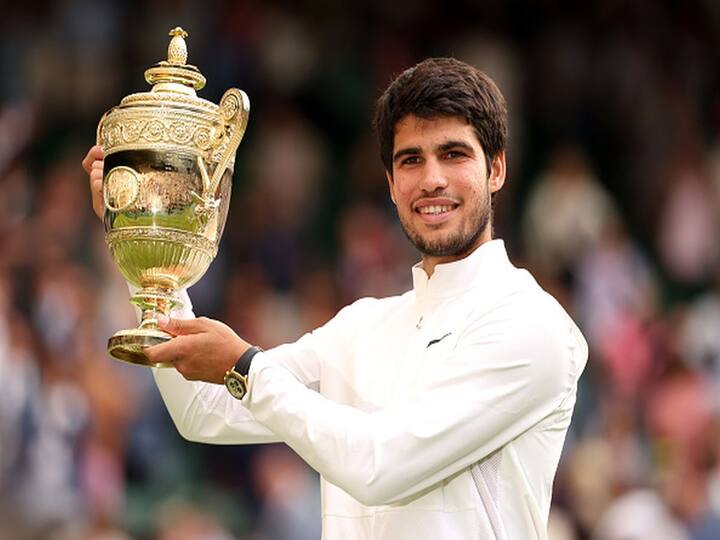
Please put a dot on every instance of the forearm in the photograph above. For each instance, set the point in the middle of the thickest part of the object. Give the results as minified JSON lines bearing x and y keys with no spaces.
{"x":377,"y":458}
{"x":204,"y":412}
{"x":483,"y":397}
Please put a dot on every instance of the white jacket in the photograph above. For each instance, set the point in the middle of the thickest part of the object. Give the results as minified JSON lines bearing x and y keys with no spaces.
{"x":438,"y":414}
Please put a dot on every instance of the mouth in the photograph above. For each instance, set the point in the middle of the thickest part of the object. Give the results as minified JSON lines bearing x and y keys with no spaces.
{"x":435,"y":210}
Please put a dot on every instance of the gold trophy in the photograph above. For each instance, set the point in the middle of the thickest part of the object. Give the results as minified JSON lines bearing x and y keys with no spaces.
{"x":169,"y":158}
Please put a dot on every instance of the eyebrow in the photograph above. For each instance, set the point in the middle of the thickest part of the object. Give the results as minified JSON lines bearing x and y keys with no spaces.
{"x":411,"y":151}
{"x":449,"y":145}
{"x":456,"y":144}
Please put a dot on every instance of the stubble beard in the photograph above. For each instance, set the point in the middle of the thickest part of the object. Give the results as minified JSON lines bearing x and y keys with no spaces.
{"x":457,"y":244}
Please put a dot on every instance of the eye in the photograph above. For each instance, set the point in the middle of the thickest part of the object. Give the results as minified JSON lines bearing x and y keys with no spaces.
{"x":410,"y":160}
{"x":454,"y":154}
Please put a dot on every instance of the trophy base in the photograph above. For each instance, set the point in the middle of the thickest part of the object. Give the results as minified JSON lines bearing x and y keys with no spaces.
{"x":129,"y":345}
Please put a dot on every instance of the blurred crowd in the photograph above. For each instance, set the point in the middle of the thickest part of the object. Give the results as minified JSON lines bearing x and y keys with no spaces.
{"x":612,"y":202}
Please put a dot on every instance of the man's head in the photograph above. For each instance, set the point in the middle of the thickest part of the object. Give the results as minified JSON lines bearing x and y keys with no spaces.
{"x":440,"y":87}
{"x":442,"y":128}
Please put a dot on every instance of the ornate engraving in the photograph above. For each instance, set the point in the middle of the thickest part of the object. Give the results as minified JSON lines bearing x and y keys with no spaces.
{"x":202,"y":138}
{"x":129,"y":128}
{"x":121,"y":188}
{"x":154,"y":131}
{"x":173,"y":236}
{"x":229,"y":106}
{"x":198,"y":104}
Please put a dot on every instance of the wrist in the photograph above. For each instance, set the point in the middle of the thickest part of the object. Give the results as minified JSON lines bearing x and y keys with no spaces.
{"x":236,"y":378}
{"x":242,"y":366}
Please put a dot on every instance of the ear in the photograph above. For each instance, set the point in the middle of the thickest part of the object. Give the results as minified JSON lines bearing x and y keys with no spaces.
{"x":497,"y":172}
{"x":391,"y":186}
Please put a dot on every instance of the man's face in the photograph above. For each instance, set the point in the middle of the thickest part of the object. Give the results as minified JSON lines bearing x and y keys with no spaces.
{"x":441,"y":185}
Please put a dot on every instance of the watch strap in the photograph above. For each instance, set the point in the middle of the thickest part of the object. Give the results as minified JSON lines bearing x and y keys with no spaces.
{"x":242,"y":366}
{"x":236,"y":379}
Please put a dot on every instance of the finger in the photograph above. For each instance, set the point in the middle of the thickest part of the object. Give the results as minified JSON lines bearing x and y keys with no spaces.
{"x":96,"y":191}
{"x":168,"y":352}
{"x":182,"y":353}
{"x":95,"y":153}
{"x":96,"y":177}
{"x":178,"y":327}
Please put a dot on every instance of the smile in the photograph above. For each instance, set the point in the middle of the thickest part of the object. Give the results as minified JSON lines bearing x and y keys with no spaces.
{"x":436,"y":209}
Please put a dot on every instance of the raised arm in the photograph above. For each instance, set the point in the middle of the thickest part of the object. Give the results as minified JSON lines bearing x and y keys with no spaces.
{"x":496,"y":386}
{"x":205,"y":412}
{"x":203,"y":349}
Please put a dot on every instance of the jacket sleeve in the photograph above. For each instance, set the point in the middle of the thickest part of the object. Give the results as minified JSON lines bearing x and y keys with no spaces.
{"x":204,"y":412}
{"x":506,"y":374}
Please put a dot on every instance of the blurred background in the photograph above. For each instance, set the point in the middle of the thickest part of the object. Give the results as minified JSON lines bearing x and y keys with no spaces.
{"x":613,"y":202}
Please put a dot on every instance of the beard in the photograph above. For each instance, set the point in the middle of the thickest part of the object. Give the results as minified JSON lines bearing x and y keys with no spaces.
{"x":458,"y":243}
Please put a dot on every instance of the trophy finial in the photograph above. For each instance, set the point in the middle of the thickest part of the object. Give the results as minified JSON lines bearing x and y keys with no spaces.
{"x":175,"y":75}
{"x":177,"y":50}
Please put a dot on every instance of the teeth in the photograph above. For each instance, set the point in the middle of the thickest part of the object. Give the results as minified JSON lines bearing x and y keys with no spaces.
{"x":436,"y":209}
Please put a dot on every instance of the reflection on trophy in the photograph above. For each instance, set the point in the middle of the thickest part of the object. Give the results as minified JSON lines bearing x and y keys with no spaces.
{"x":169,"y":157}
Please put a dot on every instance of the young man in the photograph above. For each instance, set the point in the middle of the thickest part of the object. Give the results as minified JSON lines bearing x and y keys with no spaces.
{"x":440,"y":413}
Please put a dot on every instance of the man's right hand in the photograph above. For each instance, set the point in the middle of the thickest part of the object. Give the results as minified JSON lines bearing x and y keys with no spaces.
{"x":93,"y":165}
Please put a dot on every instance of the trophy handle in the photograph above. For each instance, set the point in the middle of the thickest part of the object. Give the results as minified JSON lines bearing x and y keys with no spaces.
{"x":234,"y":112}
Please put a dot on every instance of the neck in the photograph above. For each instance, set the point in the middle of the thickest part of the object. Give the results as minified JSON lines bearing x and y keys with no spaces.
{"x":429,"y":262}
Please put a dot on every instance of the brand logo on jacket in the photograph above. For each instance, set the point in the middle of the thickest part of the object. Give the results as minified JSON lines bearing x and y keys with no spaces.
{"x":438,"y":340}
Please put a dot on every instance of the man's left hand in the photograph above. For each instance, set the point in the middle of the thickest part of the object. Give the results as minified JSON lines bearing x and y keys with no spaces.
{"x":202,"y":350}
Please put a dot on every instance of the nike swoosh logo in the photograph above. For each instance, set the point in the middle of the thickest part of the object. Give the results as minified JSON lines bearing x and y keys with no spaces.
{"x":438,"y":340}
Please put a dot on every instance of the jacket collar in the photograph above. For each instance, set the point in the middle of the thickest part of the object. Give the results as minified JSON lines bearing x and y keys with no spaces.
{"x":483,"y":266}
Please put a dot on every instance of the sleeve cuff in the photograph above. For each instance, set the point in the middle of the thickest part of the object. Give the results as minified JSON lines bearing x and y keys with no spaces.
{"x":259,"y":362}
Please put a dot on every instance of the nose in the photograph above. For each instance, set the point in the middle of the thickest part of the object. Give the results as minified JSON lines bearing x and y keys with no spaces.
{"x":433,"y":176}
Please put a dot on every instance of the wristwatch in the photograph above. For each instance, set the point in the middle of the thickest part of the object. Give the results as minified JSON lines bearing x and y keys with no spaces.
{"x":236,"y":379}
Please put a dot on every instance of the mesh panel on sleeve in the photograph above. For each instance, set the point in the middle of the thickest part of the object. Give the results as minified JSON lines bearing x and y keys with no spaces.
{"x":485,"y":476}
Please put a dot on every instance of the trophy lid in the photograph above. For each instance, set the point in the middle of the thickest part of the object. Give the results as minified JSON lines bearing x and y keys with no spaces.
{"x":171,"y":115}
{"x":175,"y":74}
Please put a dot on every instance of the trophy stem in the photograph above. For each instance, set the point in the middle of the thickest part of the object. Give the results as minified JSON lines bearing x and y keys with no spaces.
{"x":129,"y":345}
{"x":154,"y":300}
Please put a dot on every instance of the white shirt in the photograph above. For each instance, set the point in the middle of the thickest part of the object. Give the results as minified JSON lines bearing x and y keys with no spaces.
{"x":440,"y":413}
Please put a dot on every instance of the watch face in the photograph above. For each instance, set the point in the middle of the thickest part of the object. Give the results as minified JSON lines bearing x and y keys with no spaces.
{"x":235,"y":385}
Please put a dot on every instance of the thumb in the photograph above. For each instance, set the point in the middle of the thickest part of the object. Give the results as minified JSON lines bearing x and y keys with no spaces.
{"x":178,"y":327}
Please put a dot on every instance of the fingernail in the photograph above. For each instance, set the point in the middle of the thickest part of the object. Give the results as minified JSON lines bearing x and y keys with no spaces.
{"x":162,"y":319}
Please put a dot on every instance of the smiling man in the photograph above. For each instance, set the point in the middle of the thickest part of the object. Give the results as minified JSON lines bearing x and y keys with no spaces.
{"x":437,"y":414}
{"x":443,"y":208}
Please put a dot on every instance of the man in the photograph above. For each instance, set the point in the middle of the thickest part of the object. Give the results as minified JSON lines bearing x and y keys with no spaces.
{"x":440,"y":413}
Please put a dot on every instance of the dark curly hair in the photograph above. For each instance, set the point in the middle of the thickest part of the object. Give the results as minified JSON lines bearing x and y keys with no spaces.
{"x":440,"y":87}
